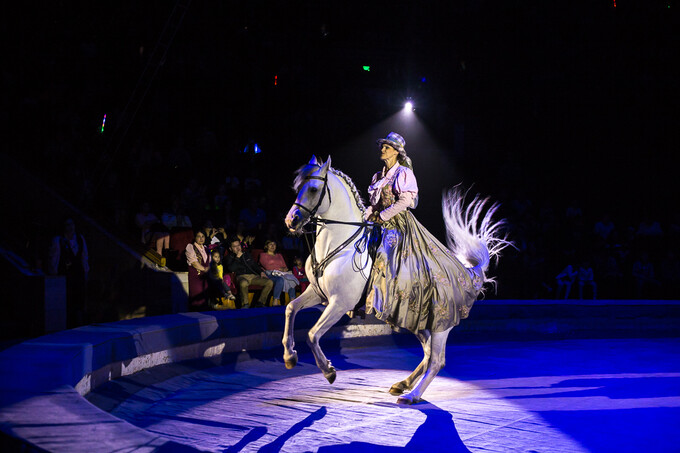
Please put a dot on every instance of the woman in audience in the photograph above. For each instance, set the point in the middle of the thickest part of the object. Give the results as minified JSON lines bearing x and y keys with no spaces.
{"x":198,"y":262}
{"x":275,"y":267}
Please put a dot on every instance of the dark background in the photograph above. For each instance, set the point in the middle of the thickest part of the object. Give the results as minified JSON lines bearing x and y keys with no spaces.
{"x":562,"y":104}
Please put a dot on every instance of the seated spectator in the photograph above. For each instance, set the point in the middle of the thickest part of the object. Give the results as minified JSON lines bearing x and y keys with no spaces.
{"x":669,"y":274}
{"x":154,"y":233}
{"x":299,"y":273}
{"x":219,"y":284}
{"x":215,"y":238}
{"x":221,"y":198}
{"x":586,"y":277}
{"x":245,"y":239}
{"x":604,"y":227}
{"x":272,"y":233}
{"x":181,"y":234}
{"x":645,"y":280}
{"x":68,"y":256}
{"x":198,"y":262}
{"x":253,"y":217}
{"x":293,"y":244}
{"x":649,"y":228}
{"x":612,"y":277}
{"x":175,"y":218}
{"x":222,"y":206}
{"x":275,"y":267}
{"x":247,"y":273}
{"x":564,"y":280}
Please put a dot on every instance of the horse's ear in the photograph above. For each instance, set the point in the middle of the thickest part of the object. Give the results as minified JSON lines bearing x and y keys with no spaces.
{"x":314,"y":161}
{"x":326,"y":166}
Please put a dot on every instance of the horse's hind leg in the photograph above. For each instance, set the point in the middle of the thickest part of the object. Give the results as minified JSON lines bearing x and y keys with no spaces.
{"x":306,"y":299}
{"x":329,"y":317}
{"x":437,"y":362}
{"x":401,"y":386}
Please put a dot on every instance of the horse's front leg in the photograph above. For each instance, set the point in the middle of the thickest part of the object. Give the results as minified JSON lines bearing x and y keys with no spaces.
{"x":425,"y":341}
{"x":306,"y":299}
{"x":437,"y":362}
{"x":331,"y":315}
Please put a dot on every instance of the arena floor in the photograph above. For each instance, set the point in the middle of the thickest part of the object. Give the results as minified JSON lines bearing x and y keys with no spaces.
{"x":620,"y":395}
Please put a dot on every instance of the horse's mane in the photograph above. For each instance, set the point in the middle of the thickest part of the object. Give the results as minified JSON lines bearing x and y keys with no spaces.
{"x":307,"y":169}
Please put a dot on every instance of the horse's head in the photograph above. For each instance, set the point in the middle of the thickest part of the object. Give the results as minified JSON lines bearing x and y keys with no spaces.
{"x":311,"y":185}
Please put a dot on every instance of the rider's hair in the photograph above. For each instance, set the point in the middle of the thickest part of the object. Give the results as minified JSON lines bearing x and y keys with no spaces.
{"x":404,"y":160}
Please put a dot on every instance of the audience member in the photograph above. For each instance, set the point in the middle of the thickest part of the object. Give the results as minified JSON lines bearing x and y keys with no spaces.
{"x":219,"y":284}
{"x":247,"y":273}
{"x":586,"y":277}
{"x":643,"y":274}
{"x":253,"y":217}
{"x":612,"y":277}
{"x":649,"y":228}
{"x":293,"y":244}
{"x":222,"y":204}
{"x":191,"y":199}
{"x":198,"y":261}
{"x":244,"y":238}
{"x":271,"y":233}
{"x":154,"y":233}
{"x":669,"y":274}
{"x":564,"y":280}
{"x":299,"y":273}
{"x":603,"y":227}
{"x":175,"y":217}
{"x":275,"y":267}
{"x":215,"y":238}
{"x":68,"y":256}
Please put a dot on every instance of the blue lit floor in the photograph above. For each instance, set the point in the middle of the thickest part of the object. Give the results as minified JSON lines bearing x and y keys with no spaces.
{"x":536,"y":396}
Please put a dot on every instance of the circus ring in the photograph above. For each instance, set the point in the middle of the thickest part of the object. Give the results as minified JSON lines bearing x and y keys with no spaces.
{"x":521,"y":376}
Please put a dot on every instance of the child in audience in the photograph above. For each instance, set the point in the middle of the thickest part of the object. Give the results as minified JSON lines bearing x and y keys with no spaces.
{"x":299,"y":272}
{"x":219,"y":283}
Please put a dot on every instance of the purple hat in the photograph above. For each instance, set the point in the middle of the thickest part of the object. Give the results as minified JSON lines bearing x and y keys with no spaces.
{"x":395,"y":140}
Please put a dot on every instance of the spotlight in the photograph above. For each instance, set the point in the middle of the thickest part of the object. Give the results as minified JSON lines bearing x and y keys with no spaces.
{"x":408,"y":106}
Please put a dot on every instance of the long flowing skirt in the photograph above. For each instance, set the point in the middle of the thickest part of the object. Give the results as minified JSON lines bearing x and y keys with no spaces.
{"x":416,"y":283}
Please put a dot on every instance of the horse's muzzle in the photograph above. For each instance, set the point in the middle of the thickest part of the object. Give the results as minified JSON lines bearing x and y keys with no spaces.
{"x":294,"y":221}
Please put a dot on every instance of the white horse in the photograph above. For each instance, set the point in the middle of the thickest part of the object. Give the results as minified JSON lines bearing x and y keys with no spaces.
{"x":339,"y":265}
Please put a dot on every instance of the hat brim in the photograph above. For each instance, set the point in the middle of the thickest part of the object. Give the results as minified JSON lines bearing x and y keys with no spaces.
{"x":394,"y":145}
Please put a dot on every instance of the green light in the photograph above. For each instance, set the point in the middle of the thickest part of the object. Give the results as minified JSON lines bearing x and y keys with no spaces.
{"x":368,"y":68}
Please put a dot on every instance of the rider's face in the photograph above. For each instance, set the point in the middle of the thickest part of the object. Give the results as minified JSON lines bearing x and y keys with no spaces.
{"x":387,"y":152}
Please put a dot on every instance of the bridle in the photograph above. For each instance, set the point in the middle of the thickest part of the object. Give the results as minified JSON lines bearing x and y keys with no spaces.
{"x":324,"y":190}
{"x":319,"y":266}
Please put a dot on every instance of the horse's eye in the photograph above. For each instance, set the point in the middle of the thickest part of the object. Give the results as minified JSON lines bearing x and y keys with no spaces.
{"x":313,"y":189}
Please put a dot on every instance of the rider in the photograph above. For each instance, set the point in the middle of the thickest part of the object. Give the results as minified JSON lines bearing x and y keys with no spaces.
{"x":416,"y":283}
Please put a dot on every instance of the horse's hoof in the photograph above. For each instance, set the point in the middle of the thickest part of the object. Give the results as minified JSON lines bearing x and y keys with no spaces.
{"x":330,"y":376}
{"x":291,"y":362}
{"x":407,"y":400}
{"x":397,"y":389}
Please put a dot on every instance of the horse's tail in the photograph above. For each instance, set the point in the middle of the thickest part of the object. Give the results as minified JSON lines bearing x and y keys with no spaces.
{"x":472,"y":234}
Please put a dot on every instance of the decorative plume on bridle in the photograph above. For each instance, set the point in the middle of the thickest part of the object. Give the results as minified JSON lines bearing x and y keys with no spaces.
{"x":471,"y":233}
